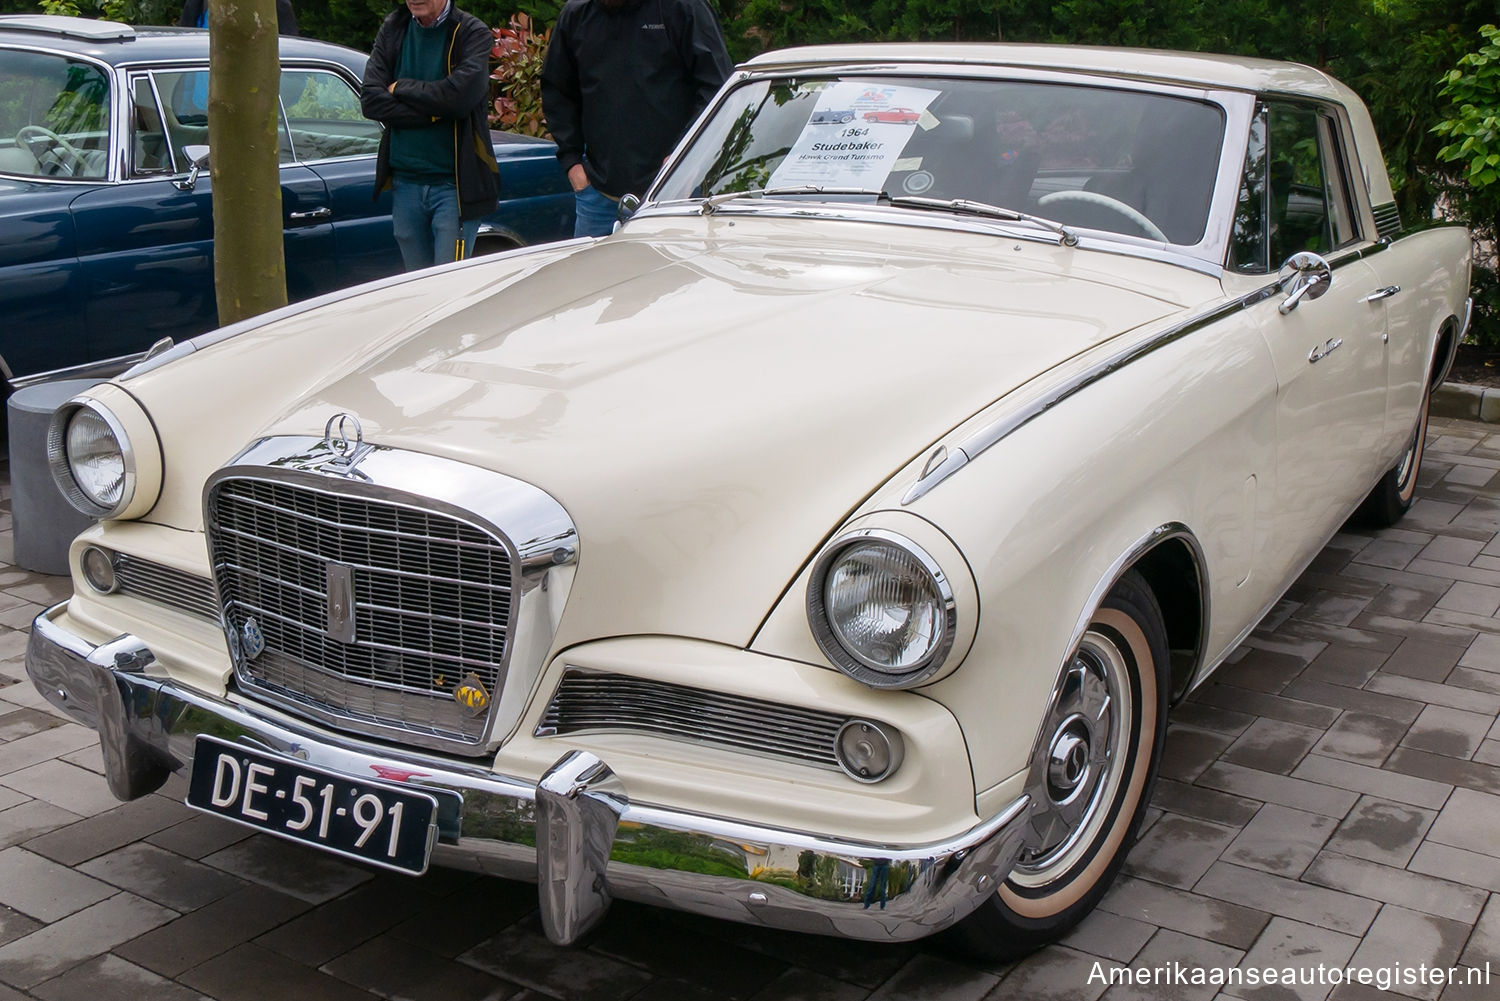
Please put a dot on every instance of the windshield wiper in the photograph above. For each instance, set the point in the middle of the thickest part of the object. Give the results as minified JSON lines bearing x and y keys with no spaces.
{"x":710,"y":204}
{"x":1065,"y":236}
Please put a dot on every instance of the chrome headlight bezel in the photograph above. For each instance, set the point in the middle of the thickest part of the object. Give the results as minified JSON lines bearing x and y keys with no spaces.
{"x":61,"y":465}
{"x":850,"y":660}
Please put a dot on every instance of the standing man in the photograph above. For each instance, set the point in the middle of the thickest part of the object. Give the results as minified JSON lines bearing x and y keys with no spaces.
{"x":621,"y":82}
{"x":427,"y":82}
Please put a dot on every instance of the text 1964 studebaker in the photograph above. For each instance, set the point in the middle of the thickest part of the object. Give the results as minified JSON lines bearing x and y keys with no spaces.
{"x":825,"y":548}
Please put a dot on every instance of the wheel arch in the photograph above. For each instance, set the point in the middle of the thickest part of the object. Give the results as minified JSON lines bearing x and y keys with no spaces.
{"x":1446,"y":349}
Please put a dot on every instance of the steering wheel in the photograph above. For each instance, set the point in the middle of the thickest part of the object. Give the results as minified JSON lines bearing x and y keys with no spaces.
{"x":1132,"y":214}
{"x":64,"y":154}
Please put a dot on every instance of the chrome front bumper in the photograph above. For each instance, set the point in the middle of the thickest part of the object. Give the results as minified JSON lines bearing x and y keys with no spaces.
{"x":575,"y":832}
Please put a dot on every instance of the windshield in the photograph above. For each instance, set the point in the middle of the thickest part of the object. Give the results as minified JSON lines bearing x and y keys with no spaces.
{"x":1092,"y":157}
{"x":54,"y":116}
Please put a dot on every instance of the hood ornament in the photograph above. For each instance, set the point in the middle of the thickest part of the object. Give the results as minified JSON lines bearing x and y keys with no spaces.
{"x":344,"y":437}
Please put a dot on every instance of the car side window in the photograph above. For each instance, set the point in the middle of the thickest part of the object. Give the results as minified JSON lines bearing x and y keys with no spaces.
{"x":149,"y":150}
{"x":184,"y":103}
{"x":323,"y":117}
{"x":1309,"y":201}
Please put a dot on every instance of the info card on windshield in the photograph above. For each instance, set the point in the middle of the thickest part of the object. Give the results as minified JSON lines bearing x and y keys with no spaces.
{"x":854,"y":136}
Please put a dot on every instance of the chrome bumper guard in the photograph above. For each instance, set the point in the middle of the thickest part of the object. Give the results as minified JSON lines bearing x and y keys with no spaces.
{"x":575,"y":833}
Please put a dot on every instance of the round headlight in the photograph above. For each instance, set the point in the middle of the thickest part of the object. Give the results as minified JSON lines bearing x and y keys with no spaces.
{"x":91,"y":459}
{"x":882,"y":610}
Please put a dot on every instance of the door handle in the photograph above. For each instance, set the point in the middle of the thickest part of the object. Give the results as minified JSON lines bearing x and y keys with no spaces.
{"x":321,"y":212}
{"x":1382,"y":293}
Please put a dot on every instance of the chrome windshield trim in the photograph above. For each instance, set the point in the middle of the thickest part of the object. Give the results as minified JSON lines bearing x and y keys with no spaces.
{"x":535,"y":528}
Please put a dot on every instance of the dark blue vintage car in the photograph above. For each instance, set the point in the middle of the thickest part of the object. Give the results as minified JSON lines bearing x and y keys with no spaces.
{"x":106,"y":233}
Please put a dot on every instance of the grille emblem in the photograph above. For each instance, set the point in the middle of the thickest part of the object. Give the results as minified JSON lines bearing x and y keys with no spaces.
{"x":471,"y":695}
{"x":339,"y":578}
{"x":252,"y":640}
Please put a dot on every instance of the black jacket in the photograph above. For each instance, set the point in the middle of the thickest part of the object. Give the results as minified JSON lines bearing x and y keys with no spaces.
{"x":461,"y":96}
{"x":286,"y":21}
{"x":620,"y":85}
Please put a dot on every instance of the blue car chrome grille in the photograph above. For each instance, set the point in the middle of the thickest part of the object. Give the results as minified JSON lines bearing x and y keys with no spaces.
{"x":431,"y":606}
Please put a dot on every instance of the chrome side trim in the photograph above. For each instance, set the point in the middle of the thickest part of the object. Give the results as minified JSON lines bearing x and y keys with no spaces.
{"x":541,"y":539}
{"x":103,"y":369}
{"x":759,"y":875}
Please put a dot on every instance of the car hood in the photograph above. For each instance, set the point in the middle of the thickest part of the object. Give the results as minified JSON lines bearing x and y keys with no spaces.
{"x":707,"y":401}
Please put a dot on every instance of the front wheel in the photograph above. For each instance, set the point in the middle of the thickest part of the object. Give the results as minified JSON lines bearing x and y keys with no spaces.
{"x":1392,"y":496}
{"x":1091,"y":777}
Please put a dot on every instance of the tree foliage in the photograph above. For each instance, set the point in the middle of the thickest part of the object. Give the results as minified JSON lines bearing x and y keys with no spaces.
{"x":1473,"y":122}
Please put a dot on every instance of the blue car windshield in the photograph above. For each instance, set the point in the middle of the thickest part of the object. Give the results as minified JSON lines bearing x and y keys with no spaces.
{"x":54,"y":116}
{"x":1095,"y":157}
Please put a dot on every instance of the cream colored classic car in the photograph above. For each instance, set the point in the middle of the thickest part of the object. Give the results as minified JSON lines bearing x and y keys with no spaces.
{"x":822,"y":550}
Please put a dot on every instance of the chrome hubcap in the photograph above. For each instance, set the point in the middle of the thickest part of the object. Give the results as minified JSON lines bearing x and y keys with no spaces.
{"x":1076,"y":769}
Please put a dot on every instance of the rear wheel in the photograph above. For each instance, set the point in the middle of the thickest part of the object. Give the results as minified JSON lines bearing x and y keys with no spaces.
{"x":1392,"y":496}
{"x":1090,"y":780}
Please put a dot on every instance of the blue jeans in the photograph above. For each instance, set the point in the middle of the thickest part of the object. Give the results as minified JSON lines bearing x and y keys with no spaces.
{"x":428,"y":230}
{"x":594,"y":212}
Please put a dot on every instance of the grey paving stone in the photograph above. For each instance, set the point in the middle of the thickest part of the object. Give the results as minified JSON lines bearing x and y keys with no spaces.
{"x":1271,"y":745}
{"x":1476,"y":599}
{"x":1361,"y":737}
{"x":1177,"y":851}
{"x":1274,"y":706}
{"x":1357,"y":699}
{"x":1435,"y":694}
{"x":1488,"y":753}
{"x":1424,"y":659}
{"x":863,"y":964}
{"x":672,"y":945}
{"x":210,"y":930}
{"x":10,"y":798}
{"x":1267,"y":671}
{"x":1471,"y":984}
{"x":1440,"y":768}
{"x":1451,"y":732}
{"x":294,"y":869}
{"x":1188,"y":751}
{"x":45,"y":890}
{"x":107,"y":978}
{"x":1348,"y":666}
{"x":1483,"y":654}
{"x":1206,"y":717}
{"x":24,"y":722}
{"x":522,"y":955}
{"x":1280,"y":840}
{"x":200,"y":835}
{"x":159,"y":875}
{"x":1484,"y":944}
{"x":805,"y":985}
{"x":1389,"y":553}
{"x":1397,"y":602}
{"x":1479,"y":681}
{"x":1470,"y":820}
{"x":1110,"y":936}
{"x":1300,"y":901}
{"x":1411,"y":939}
{"x":14,"y":925}
{"x":249,"y":973}
{"x":1218,"y":920}
{"x":395,"y":968}
{"x":63,"y":785}
{"x":105,"y":832}
{"x":1402,"y":887}
{"x":325,"y":932}
{"x":1175,"y":967}
{"x":475,"y":912}
{"x":1382,"y":831}
{"x":93,"y":931}
{"x":1457,"y":865}
{"x":1285,"y":790}
{"x":44,"y":745}
{"x":1205,"y":804}
{"x":1452,"y":550}
{"x":1288,"y":945}
{"x":1053,"y":974}
{"x":1386,"y":784}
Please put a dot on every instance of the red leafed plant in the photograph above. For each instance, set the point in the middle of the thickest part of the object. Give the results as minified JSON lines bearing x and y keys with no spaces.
{"x":517,"y":77}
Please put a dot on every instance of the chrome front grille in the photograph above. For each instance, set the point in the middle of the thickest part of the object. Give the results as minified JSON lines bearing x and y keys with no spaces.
{"x":431,"y":605}
{"x":597,"y":701}
{"x":175,"y":588}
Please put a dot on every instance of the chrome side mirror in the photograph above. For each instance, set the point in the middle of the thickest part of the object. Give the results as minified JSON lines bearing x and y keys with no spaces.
{"x":628,"y":205}
{"x":1305,"y":275}
{"x":198,"y":157}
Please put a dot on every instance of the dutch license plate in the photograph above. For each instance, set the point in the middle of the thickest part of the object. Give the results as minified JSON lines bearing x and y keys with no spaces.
{"x":381,"y":824}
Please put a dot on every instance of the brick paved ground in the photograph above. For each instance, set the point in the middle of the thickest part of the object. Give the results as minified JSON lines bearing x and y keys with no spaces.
{"x":1333,"y":796}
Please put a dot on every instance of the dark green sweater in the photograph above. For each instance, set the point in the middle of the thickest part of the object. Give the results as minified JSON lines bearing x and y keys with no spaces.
{"x":423,"y":154}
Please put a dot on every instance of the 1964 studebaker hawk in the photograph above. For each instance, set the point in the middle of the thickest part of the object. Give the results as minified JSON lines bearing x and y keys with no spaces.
{"x":825,"y":548}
